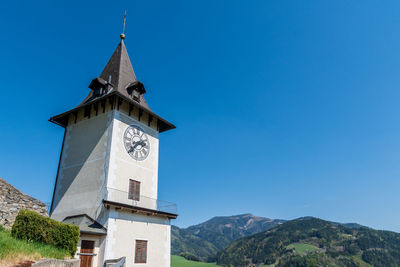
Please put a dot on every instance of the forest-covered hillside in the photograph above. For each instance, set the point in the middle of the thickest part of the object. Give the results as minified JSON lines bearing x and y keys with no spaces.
{"x":314,"y":242}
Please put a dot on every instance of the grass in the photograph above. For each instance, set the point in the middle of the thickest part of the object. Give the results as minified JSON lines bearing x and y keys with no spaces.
{"x":13,"y":251}
{"x":177,"y":261}
{"x":303,"y":249}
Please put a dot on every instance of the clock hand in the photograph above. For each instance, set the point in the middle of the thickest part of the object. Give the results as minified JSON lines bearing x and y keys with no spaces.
{"x":131,"y":149}
{"x":136,"y":144}
{"x":143,"y":143}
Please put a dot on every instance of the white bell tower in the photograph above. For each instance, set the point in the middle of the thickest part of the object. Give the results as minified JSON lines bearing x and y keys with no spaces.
{"x":108,"y":172}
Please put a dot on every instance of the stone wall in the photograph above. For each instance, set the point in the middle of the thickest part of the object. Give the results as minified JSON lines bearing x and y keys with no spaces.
{"x":57,"y":263}
{"x":12,"y":201}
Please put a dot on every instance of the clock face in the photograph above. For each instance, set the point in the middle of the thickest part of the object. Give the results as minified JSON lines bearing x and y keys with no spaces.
{"x":136,"y":142}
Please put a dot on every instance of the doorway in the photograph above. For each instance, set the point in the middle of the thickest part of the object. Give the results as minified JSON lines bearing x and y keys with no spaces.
{"x":86,"y":255}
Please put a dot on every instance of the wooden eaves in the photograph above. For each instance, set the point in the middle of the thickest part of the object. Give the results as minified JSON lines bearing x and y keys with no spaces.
{"x":149,"y":212}
{"x":62,"y":118}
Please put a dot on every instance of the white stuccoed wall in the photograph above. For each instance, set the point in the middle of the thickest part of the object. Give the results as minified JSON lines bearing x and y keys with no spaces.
{"x":125,"y":228}
{"x":123,"y":167}
{"x":82,"y":174}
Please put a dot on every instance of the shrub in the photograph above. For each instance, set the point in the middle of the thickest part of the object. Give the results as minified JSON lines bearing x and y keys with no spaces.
{"x":2,"y":229}
{"x":31,"y":226}
{"x":189,"y":256}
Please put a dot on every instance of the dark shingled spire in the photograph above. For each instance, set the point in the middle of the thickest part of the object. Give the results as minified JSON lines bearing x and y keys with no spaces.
{"x":117,"y":79}
{"x":119,"y":72}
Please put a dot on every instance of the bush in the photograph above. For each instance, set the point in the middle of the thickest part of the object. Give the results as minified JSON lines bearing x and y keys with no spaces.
{"x":189,"y":256}
{"x":2,"y":229}
{"x":31,"y":226}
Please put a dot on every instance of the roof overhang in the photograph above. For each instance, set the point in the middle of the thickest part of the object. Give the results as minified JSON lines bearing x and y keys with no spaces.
{"x":62,"y":119}
{"x":86,"y":224}
{"x":149,"y":212}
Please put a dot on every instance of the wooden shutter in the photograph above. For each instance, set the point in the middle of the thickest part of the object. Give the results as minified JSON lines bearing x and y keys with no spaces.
{"x":87,"y":246}
{"x":134,"y":190}
{"x":141,"y":251}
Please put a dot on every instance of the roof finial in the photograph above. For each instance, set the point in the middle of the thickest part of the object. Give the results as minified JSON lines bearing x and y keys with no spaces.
{"x":123,"y":28}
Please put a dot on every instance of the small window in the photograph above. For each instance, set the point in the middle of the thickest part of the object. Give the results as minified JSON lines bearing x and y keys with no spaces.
{"x":141,"y":251}
{"x":134,"y":190}
{"x":87,"y":111}
{"x":136,"y":95}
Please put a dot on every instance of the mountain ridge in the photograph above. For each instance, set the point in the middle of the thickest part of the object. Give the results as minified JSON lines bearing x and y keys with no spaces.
{"x":205,"y":239}
{"x":310,"y":241}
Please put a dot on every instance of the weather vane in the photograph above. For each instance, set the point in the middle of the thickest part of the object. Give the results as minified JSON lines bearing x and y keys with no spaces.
{"x":123,"y":28}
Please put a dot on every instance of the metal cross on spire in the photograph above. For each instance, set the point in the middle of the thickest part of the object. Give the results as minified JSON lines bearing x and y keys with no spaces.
{"x":123,"y":28}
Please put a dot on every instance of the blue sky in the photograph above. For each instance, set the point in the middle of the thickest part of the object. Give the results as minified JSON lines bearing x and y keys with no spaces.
{"x":283,"y":108}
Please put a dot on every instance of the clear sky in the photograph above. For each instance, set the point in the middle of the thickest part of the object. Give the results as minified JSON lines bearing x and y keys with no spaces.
{"x":283,"y":108}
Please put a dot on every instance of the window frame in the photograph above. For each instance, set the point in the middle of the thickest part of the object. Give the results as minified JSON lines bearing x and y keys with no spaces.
{"x":133,"y":195}
{"x":141,"y":242}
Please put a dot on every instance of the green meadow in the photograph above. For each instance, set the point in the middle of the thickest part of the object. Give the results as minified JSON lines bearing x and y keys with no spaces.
{"x":303,"y":249}
{"x":13,"y":250}
{"x":177,"y":261}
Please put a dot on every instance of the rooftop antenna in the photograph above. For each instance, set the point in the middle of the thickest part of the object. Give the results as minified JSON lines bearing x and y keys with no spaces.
{"x":123,"y":28}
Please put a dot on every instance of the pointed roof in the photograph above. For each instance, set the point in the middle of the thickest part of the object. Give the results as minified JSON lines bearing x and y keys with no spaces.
{"x":119,"y":70}
{"x":119,"y":74}
{"x":118,"y":78}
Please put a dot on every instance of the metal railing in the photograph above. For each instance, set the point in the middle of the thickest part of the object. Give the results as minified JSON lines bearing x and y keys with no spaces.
{"x":141,"y":201}
{"x":115,"y":263}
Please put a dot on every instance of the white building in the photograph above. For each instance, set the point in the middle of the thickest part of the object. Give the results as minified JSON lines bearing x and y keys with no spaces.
{"x":108,"y":172}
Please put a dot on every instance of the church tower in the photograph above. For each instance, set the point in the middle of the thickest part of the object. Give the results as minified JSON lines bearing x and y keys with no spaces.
{"x":108,"y":172}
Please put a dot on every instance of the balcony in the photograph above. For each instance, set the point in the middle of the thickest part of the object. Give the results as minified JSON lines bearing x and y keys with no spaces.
{"x":144,"y":204}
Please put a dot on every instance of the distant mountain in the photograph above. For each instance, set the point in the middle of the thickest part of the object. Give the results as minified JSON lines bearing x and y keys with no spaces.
{"x":222,"y":230}
{"x":314,"y":242}
{"x":206,"y":239}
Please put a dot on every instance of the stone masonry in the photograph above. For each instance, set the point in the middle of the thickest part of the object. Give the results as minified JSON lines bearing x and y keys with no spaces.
{"x":12,"y":201}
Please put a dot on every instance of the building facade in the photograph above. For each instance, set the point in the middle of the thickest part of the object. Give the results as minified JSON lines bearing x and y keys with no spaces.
{"x":108,"y":172}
